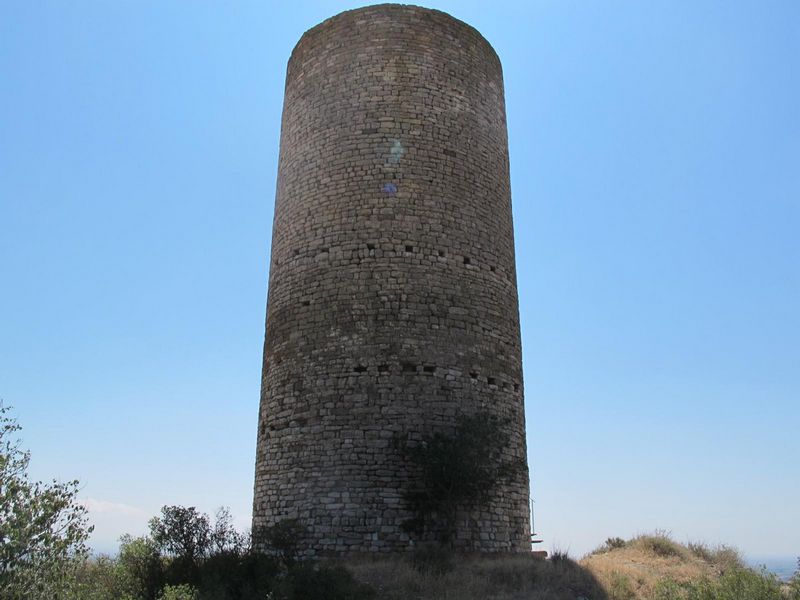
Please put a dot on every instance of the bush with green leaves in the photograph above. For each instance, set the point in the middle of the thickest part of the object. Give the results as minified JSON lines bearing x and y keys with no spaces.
{"x":615,"y":543}
{"x":43,"y":527}
{"x":735,"y":584}
{"x":178,"y":592}
{"x":612,"y":543}
{"x":661,"y":544}
{"x":794,"y":583}
{"x":140,"y":567}
{"x":187,"y":557}
{"x":136,"y":573}
{"x":458,"y":471}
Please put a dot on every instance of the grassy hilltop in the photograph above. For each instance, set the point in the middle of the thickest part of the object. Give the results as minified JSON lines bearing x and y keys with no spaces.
{"x":658,"y":568}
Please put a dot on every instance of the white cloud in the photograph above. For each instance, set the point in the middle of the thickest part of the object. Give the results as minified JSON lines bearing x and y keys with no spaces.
{"x":111,"y":520}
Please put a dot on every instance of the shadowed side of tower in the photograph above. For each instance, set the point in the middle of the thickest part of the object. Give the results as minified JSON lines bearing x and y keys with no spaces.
{"x":392,"y":305}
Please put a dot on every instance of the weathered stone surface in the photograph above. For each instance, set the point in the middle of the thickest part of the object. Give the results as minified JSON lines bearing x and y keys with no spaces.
{"x":392,"y":301}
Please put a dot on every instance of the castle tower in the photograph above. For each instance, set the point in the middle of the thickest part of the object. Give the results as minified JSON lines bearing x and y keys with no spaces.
{"x":392,"y":303}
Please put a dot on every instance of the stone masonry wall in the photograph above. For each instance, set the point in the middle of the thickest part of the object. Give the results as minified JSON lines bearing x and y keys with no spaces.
{"x":392,"y":301}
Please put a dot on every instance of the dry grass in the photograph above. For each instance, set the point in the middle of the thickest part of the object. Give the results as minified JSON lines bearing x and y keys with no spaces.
{"x":633,"y":570}
{"x":479,"y":578}
{"x":618,"y":570}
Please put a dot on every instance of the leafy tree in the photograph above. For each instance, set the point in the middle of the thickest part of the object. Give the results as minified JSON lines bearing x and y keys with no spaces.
{"x":43,"y":529}
{"x":140,"y":569}
{"x":224,"y":536}
{"x":457,"y":472}
{"x":182,"y":532}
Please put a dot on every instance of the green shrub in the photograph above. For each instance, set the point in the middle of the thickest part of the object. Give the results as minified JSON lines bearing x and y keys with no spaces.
{"x":178,"y":592}
{"x":99,"y":579}
{"x":738,"y":584}
{"x":620,"y":588}
{"x":615,"y":543}
{"x":661,"y":545}
{"x":669,"y":589}
{"x":700,"y":550}
{"x":140,"y":570}
{"x":43,"y":527}
{"x":726,"y":558}
{"x":746,"y":583}
{"x":612,"y":543}
{"x":794,"y":583}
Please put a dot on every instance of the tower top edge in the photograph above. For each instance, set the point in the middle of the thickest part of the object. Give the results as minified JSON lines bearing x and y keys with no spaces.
{"x":398,"y":12}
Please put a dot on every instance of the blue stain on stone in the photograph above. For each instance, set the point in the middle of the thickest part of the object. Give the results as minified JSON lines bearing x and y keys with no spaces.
{"x":389,"y":188}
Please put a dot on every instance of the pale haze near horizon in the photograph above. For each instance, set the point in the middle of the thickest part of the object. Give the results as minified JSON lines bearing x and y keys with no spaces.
{"x":655,"y":166}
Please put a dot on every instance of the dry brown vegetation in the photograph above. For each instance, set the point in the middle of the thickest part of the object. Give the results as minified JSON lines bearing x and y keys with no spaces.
{"x":470,"y":578}
{"x":648,"y":567}
{"x":632,"y":569}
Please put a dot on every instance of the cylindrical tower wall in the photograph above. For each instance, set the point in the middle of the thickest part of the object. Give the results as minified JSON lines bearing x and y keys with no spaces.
{"x":392,"y":305}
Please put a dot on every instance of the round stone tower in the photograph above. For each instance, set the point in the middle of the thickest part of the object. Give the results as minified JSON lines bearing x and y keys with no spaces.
{"x":392,"y":306}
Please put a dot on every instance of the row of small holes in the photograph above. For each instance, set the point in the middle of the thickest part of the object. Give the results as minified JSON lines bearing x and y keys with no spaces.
{"x":406,"y":367}
{"x":412,"y":368}
{"x":492,"y":381}
{"x":408,"y":248}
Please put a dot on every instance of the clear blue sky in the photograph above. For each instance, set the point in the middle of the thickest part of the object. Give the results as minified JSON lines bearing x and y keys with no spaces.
{"x":655,"y":163}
